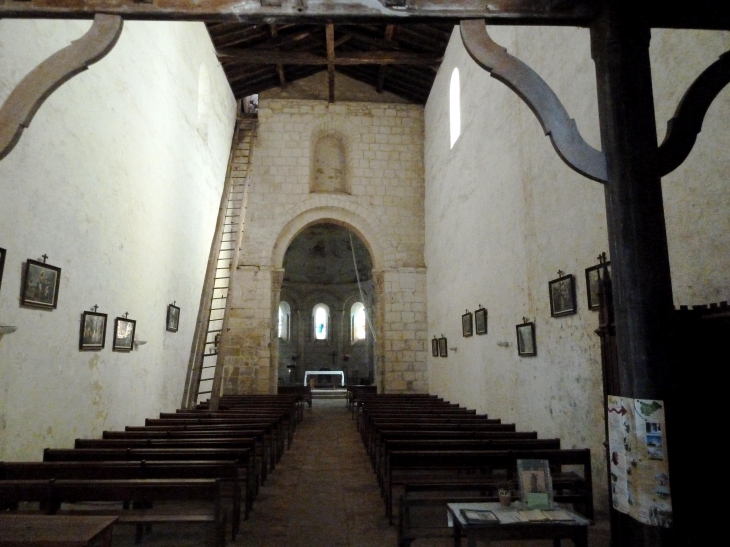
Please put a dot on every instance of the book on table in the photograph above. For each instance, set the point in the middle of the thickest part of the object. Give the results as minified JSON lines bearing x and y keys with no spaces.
{"x":479,"y":516}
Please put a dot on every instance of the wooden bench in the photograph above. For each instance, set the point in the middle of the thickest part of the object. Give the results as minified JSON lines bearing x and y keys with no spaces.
{"x":406,"y":467}
{"x":226,"y":471}
{"x":242,"y":457}
{"x":56,"y":495}
{"x":458,"y":445}
{"x":259,"y":473}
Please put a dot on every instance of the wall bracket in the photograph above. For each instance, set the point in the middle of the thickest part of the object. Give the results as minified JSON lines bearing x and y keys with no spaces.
{"x":538,"y":96}
{"x":28,"y":96}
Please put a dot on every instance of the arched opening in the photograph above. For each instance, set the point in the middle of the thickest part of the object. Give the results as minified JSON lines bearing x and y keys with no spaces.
{"x":328,"y":271}
{"x":284,"y":320}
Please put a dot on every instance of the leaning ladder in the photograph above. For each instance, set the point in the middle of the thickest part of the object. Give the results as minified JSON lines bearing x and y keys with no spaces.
{"x":204,"y":355}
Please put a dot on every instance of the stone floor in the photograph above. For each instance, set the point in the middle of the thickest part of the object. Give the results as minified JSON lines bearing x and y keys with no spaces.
{"x":323,"y":493}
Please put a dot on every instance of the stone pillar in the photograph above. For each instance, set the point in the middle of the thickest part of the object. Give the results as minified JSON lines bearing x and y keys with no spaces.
{"x":642,"y":289}
{"x":277,"y":278}
{"x":246,"y":342}
{"x":405,"y":330}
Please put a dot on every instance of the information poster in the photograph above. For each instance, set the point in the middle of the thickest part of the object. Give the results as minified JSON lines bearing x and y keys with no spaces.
{"x":639,"y":466}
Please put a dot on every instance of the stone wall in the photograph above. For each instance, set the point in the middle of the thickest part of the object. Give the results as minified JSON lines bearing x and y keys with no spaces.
{"x":383,"y":146}
{"x":118,"y":179}
{"x":504,"y":214}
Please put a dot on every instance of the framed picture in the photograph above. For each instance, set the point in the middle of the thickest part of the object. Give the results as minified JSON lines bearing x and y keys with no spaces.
{"x":443,"y":349}
{"x":93,"y":331}
{"x":594,"y":275}
{"x":562,"y":296}
{"x":123,"y":334}
{"x":3,"y":252}
{"x":526,"y":346}
{"x":480,"y":318}
{"x":173,"y":317}
{"x":435,"y":347}
{"x":467,"y":324}
{"x":40,"y":286}
{"x":535,"y":483}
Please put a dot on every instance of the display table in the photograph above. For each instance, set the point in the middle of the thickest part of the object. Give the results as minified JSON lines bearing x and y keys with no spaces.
{"x":324,"y":373}
{"x":55,"y":531}
{"x":576,"y":529}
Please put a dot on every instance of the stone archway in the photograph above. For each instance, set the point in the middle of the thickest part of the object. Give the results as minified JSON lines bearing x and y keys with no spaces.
{"x":370,"y":238}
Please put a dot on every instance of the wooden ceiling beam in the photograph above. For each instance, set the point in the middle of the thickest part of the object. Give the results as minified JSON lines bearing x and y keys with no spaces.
{"x":330,"y":32}
{"x":389,"y":31}
{"x":575,"y":12}
{"x":279,"y":66}
{"x":251,"y":56}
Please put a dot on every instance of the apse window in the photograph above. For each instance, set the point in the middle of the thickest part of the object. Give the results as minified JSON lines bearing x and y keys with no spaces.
{"x":321,"y":315}
{"x":284,"y":315}
{"x":454,"y":107}
{"x":357,"y":321}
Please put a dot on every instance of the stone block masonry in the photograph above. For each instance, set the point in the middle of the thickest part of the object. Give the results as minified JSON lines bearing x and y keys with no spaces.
{"x":383,"y":148}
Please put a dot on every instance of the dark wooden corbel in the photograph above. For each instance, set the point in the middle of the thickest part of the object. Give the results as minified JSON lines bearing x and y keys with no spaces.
{"x":538,"y":96}
{"x":685,"y":125}
{"x":28,"y":96}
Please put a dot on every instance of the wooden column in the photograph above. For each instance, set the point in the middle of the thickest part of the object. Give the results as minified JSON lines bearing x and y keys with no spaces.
{"x":642,"y":290}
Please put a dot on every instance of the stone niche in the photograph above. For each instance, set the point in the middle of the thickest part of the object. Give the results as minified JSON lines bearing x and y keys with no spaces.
{"x":329,"y":165}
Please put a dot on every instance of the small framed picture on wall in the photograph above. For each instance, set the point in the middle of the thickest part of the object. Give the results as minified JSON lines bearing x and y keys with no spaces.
{"x":467,"y":324}
{"x":435,"y":347}
{"x":124,"y":334}
{"x":443,"y":349}
{"x":93,"y":331}
{"x":40,"y":285}
{"x":173,"y":317}
{"x":562,"y":296}
{"x":480,"y":320}
{"x":594,"y":277}
{"x":3,"y":252}
{"x":526,"y":346}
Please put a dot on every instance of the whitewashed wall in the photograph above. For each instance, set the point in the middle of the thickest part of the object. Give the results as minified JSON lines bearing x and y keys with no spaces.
{"x":117,"y":182}
{"x":504,"y":214}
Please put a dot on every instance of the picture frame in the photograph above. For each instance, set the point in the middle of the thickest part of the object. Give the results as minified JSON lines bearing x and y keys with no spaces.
{"x":562,"y":296}
{"x":3,"y":252}
{"x":526,"y":343}
{"x":124,"y":329}
{"x":467,"y":324}
{"x":480,"y":321}
{"x":93,"y":331}
{"x":41,"y":282}
{"x":173,"y":318}
{"x":435,"y":347}
{"x":593,"y":281}
{"x":535,"y":484}
{"x":443,"y":348}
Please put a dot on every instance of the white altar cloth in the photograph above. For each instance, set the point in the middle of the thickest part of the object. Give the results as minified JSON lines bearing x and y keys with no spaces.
{"x":324,"y":372}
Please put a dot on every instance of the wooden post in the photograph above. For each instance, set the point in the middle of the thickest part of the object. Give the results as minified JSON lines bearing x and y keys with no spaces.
{"x":642,"y":290}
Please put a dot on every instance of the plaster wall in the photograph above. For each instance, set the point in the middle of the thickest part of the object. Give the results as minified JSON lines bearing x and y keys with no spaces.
{"x":118,"y":181}
{"x":384,"y":156}
{"x":504,"y":214}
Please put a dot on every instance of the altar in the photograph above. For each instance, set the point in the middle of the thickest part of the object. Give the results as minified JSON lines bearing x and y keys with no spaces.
{"x":324,"y":373}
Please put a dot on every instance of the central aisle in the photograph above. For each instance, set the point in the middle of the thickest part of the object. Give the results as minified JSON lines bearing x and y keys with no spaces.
{"x":323,"y":493}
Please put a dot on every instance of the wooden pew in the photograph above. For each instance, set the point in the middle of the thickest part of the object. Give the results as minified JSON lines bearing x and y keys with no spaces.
{"x":435,"y":465}
{"x":215,"y":442}
{"x":247,"y":430}
{"x":242,"y":457}
{"x":55,"y":494}
{"x":226,"y":471}
{"x":459,"y":445}
{"x":278,"y":432}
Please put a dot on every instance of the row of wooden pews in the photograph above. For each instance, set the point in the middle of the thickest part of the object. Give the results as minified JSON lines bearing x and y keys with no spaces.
{"x":432,"y":451}
{"x":196,"y":466}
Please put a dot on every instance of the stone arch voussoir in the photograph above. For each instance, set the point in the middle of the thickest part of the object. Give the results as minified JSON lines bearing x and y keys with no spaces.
{"x":336,"y":210}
